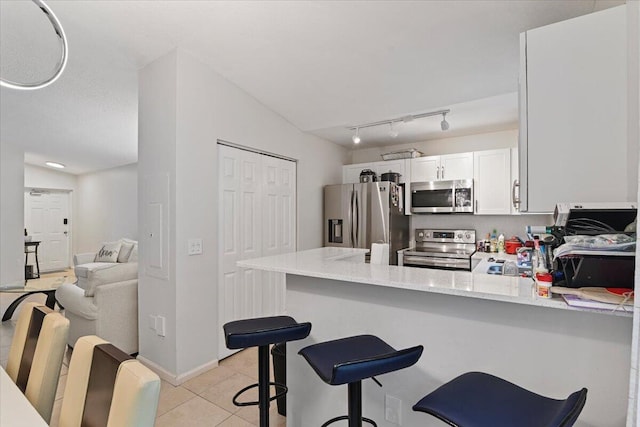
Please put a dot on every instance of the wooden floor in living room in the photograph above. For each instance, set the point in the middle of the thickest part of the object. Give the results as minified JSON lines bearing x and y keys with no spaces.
{"x":202,"y":401}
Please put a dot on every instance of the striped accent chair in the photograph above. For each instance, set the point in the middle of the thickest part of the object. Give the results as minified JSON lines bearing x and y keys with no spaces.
{"x":36,"y":354}
{"x":108,"y":388}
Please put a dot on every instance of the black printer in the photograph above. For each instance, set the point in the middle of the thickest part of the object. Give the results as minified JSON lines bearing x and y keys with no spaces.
{"x":595,"y":266}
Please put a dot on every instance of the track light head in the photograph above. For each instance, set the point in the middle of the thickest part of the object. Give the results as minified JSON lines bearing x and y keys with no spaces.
{"x":356,"y":136}
{"x":393,"y":132}
{"x":444,"y":124}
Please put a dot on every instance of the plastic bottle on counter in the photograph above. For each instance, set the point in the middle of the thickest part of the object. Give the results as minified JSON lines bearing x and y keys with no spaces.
{"x":543,"y":285}
{"x":537,"y":261}
{"x":501,"y":243}
{"x":494,"y":241}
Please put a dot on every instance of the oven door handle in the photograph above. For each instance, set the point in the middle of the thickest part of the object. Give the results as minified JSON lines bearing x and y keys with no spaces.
{"x":420,"y":260}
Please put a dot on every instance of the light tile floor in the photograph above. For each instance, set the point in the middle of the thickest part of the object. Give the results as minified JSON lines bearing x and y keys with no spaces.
{"x":202,"y":401}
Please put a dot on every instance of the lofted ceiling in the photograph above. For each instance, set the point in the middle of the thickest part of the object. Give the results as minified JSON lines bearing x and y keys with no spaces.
{"x":322,"y":65}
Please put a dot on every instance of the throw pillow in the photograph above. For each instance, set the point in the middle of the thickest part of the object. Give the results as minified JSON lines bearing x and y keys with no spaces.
{"x":134,"y":254}
{"x":125,"y":250}
{"x":109,"y":252}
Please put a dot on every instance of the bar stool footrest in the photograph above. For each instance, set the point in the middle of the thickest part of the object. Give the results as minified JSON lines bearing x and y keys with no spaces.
{"x":346,"y":417}
{"x":281,"y":390}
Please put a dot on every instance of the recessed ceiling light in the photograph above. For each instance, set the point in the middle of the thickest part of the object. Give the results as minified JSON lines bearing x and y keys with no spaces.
{"x":55,"y":165}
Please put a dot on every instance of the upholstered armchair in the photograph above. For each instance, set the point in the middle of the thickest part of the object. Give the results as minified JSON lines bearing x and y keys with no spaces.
{"x":110,"y":313}
{"x":104,"y":301}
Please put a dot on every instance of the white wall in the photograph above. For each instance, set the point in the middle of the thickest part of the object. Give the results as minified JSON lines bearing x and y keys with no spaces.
{"x":156,"y":157}
{"x":11,"y":213}
{"x":107,"y":207}
{"x":48,"y":179}
{"x":460,"y":144}
{"x":185,"y":107}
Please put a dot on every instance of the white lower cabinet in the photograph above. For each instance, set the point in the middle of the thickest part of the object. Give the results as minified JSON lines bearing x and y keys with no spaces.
{"x":492,"y":182}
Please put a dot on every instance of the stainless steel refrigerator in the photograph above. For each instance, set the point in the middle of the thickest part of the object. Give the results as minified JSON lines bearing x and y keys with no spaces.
{"x":357,"y":215}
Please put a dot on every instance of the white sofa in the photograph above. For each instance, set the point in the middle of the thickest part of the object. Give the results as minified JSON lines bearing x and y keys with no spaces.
{"x":104,"y":300}
{"x":91,"y":274}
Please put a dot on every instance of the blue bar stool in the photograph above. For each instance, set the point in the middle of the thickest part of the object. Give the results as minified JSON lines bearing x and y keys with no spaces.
{"x":477,"y":399}
{"x":261,"y":332}
{"x":350,"y":360}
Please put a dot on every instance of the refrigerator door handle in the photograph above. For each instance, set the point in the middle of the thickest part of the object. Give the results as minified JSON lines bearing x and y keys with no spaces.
{"x":357,"y":221}
{"x":351,"y":215}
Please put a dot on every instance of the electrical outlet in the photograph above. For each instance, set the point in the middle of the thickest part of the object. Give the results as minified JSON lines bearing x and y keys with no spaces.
{"x":392,"y":409}
{"x":160,"y":326}
{"x":194,"y":246}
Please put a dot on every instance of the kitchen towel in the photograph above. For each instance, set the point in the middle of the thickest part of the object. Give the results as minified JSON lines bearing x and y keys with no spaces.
{"x":380,"y":253}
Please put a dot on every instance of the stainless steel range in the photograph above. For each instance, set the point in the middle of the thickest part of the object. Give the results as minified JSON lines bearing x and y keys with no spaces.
{"x":446,"y":249}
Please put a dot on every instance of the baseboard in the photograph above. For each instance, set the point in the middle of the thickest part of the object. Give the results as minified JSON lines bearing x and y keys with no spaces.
{"x":174,"y":379}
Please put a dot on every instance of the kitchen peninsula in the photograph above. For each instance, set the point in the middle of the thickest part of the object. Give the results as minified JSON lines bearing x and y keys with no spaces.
{"x":466,"y":321}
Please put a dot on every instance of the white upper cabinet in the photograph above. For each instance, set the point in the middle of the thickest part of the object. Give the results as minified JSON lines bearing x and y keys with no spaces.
{"x":445,"y":167}
{"x":351,"y":173}
{"x":456,"y":166}
{"x":515,"y":182}
{"x":492,"y":182}
{"x":573,"y":145}
{"x":425,"y":169}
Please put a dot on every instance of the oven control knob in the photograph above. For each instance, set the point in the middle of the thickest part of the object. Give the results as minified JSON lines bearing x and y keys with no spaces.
{"x":467,"y":236}
{"x":459,"y":236}
{"x":421,"y":234}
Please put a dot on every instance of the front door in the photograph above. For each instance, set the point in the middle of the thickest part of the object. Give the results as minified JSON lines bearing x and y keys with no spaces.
{"x":47,"y":221}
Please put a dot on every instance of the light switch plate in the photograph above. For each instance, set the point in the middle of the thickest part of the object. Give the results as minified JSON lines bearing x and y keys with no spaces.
{"x":194,"y":246}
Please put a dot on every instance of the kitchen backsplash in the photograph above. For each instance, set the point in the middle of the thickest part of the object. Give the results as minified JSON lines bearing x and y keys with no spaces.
{"x":509,"y":225}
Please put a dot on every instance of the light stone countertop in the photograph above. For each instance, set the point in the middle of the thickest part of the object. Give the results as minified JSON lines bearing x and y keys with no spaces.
{"x":348,"y":265}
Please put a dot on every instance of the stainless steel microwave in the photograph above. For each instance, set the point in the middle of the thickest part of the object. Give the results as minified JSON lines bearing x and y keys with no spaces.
{"x":442,"y":196}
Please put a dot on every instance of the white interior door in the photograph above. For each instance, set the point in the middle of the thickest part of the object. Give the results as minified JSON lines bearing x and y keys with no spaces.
{"x":279,"y":226}
{"x":257,"y":218}
{"x":47,"y":221}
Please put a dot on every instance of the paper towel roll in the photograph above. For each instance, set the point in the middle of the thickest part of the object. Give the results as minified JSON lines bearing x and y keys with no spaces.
{"x":380,"y":253}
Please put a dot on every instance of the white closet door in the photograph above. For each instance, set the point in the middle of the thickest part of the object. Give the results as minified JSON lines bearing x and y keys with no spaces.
{"x":257,"y":218}
{"x":44,"y":220}
{"x":279,"y":226}
{"x":240,"y":235}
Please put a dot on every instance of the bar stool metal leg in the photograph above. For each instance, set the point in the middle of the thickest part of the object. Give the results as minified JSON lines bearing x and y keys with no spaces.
{"x":261,"y":332}
{"x":263,"y":387}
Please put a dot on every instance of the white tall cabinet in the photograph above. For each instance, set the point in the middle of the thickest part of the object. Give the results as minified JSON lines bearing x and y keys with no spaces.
{"x":491,"y":177}
{"x":573,"y":111}
{"x":257,"y":202}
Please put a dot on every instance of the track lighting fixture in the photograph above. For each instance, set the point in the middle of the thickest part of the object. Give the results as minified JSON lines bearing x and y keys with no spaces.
{"x":444,"y":124}
{"x":393,"y":131}
{"x":356,"y":136}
